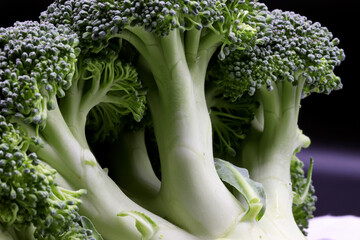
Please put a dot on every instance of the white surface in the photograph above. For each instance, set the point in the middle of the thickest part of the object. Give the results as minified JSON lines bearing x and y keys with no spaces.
{"x":334,"y":228}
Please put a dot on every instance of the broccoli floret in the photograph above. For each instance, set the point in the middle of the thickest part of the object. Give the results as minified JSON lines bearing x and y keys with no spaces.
{"x":29,"y":194}
{"x":98,"y":21}
{"x":297,"y":59}
{"x":298,"y":51}
{"x":37,"y":63}
{"x":110,"y":90}
{"x":40,"y":63}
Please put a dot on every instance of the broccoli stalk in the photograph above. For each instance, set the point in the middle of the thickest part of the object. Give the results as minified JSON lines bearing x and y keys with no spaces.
{"x":175,"y":102}
{"x":297,"y":60}
{"x":270,"y":144}
{"x":135,"y":174}
{"x":68,"y":149}
{"x":78,"y":166}
{"x":183,"y":132}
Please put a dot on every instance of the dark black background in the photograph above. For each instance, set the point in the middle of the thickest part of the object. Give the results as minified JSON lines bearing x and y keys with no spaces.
{"x":331,"y":121}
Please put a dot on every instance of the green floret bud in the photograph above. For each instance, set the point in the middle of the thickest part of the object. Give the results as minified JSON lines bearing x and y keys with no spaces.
{"x":296,"y":51}
{"x":243,"y":24}
{"x":77,"y":232}
{"x":119,"y":93}
{"x":98,"y":21}
{"x":61,"y":213}
{"x":29,"y":195}
{"x":37,"y":65}
{"x":94,"y":21}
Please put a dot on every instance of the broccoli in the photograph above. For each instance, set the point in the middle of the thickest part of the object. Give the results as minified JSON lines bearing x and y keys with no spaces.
{"x":296,"y":60}
{"x":158,"y":119}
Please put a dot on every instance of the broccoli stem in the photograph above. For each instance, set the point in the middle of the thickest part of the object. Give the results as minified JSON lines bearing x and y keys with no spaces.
{"x":79,"y":100}
{"x":78,"y":166}
{"x":72,"y":111}
{"x":183,"y":132}
{"x":134,"y":172}
{"x":269,"y":147}
{"x":192,"y":39}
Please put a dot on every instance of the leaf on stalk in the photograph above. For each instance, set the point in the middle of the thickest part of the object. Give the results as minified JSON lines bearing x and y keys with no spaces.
{"x":300,"y":198}
{"x":253,"y":192}
{"x":144,"y":224}
{"x":87,"y":224}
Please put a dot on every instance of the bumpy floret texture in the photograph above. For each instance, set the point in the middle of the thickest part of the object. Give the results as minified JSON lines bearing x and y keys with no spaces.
{"x":98,"y":21}
{"x":29,"y":195}
{"x":94,"y":21}
{"x":37,"y":62}
{"x":297,"y":48}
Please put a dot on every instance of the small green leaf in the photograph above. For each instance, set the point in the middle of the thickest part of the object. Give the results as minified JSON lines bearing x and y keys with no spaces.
{"x":299,"y":199}
{"x":87,"y":224}
{"x":253,"y":192}
{"x":144,"y":224}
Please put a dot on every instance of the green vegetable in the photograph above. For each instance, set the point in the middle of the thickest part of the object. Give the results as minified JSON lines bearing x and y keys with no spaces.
{"x":115,"y":114}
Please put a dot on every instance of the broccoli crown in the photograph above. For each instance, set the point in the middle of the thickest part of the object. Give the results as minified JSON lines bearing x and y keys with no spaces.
{"x":124,"y":94}
{"x":93,"y":21}
{"x":29,"y":194}
{"x":305,"y":210}
{"x":25,"y":185}
{"x":297,"y":49}
{"x":36,"y":64}
{"x":98,"y":21}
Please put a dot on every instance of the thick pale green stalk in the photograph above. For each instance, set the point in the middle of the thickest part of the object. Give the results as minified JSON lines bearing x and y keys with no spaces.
{"x":70,"y":107}
{"x":104,"y":200}
{"x":131,"y":163}
{"x":268,"y":150}
{"x":192,"y":193}
{"x":79,"y":101}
